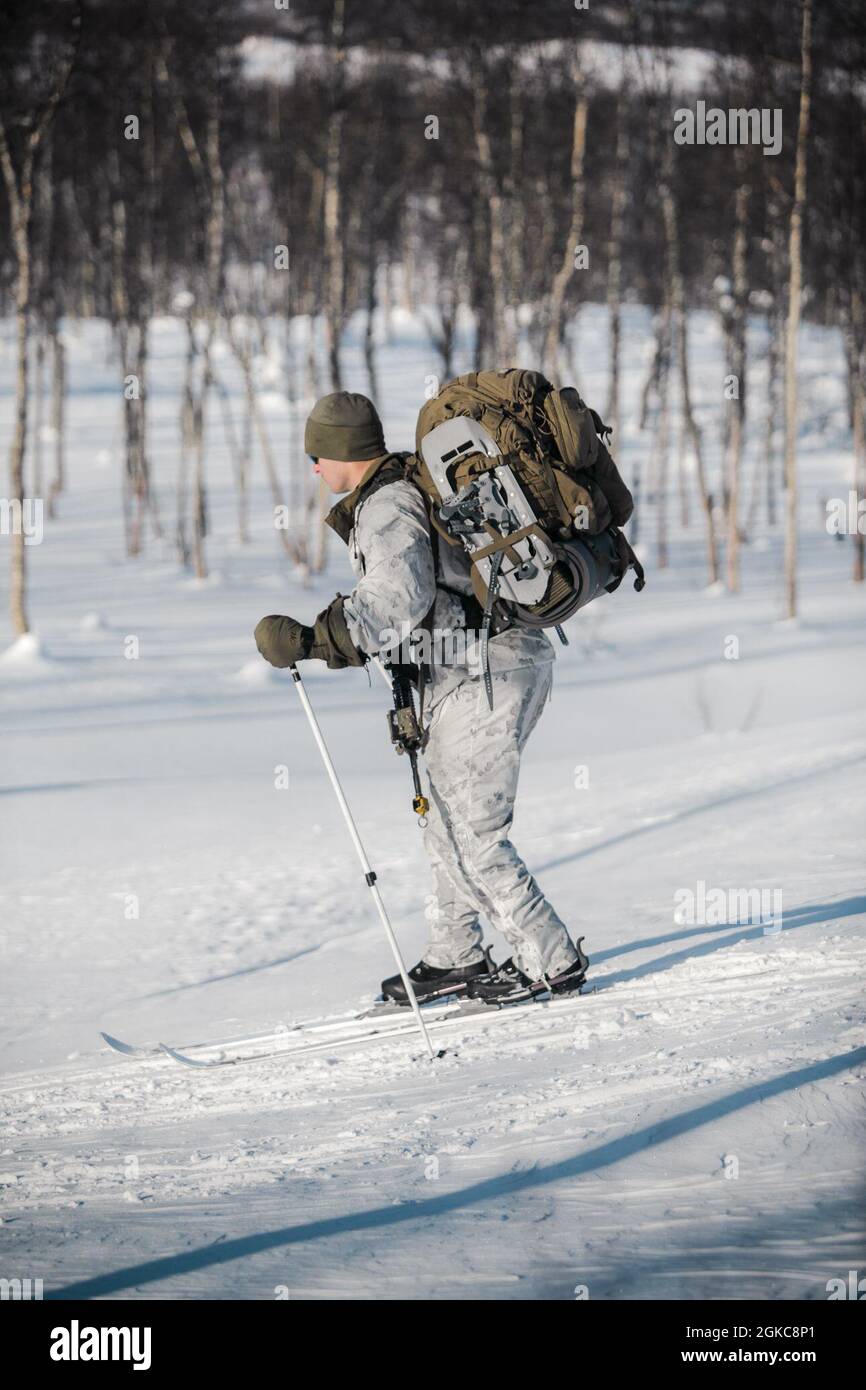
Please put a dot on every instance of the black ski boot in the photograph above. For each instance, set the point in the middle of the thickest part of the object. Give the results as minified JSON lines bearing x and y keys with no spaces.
{"x":433,"y":982}
{"x":508,"y":985}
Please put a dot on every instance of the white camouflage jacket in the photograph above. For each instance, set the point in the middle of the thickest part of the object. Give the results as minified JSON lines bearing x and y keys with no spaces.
{"x":391,"y":552}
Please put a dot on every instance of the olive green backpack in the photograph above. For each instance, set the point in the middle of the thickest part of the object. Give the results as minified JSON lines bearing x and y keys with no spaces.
{"x":531,"y":492}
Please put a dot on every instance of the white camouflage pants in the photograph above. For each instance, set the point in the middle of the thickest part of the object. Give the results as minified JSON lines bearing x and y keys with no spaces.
{"x":473,"y":762}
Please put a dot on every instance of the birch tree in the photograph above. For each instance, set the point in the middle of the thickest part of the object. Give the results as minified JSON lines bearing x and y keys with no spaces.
{"x":795,"y":288}
{"x":614,"y":263}
{"x":563,"y":276}
{"x":18,"y":163}
{"x":855,"y":358}
{"x":205,"y":160}
{"x":335,"y":265}
{"x":500,"y":337}
{"x":737,"y":371}
{"x":681,"y":330}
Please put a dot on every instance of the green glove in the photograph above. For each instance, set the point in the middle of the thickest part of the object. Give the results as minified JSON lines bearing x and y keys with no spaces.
{"x":283,"y":641}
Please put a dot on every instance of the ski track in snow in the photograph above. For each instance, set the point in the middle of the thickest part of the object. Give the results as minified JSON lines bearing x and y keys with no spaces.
{"x":691,"y":1128}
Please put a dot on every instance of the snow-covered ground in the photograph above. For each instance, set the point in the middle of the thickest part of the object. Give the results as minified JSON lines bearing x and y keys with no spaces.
{"x":693,"y":1128}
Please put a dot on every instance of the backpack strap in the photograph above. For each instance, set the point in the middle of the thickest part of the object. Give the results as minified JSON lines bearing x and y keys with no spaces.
{"x":473,"y":613}
{"x":628,"y":560}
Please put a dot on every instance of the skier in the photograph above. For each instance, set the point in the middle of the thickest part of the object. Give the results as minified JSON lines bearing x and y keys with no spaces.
{"x":407,"y":583}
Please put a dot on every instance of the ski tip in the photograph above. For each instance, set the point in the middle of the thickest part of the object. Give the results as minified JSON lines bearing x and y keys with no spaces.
{"x":185,"y":1061}
{"x":193,"y":1061}
{"x":127,"y":1049}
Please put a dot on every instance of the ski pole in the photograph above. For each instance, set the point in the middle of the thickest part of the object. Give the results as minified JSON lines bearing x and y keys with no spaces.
{"x":369,"y":873}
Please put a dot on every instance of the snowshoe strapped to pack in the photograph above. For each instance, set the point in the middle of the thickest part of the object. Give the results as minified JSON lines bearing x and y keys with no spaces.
{"x":520,"y":475}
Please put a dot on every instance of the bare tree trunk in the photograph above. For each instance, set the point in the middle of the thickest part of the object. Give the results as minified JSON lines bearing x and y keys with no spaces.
{"x":239,"y":452}
{"x":206,"y":165}
{"x":652,"y":378}
{"x":120,"y":313}
{"x":562,"y":278}
{"x":387,"y":296}
{"x":187,"y":413}
{"x":298,"y":466}
{"x":765,"y":467}
{"x":657,"y":386}
{"x":737,"y":368}
{"x":318,"y":497}
{"x":147,"y":495}
{"x":677,"y":295}
{"x":694,"y":436}
{"x":855,"y":348}
{"x":334,"y":251}
{"x":85,"y":305}
{"x":480,"y":289}
{"x":38,"y":412}
{"x":774,"y":368}
{"x":130,"y":330}
{"x":636,"y":487}
{"x":442,"y":333}
{"x":311,"y":369}
{"x":795,"y":283}
{"x":614,"y":265}
{"x":296,"y":553}
{"x":404,"y":281}
{"x":661,"y":442}
{"x":215,"y":236}
{"x":58,"y":422}
{"x":682,"y":480}
{"x":451,"y":270}
{"x":678,"y":305}
{"x":199,"y":492}
{"x":859,"y":449}
{"x":514,"y":290}
{"x":146,"y":276}
{"x":728,"y":355}
{"x":135,"y":479}
{"x":18,"y":579}
{"x":19,"y":192}
{"x":370,"y":324}
{"x":502,"y":345}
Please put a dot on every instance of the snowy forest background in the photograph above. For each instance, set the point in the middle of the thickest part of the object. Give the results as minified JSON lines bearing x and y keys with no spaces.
{"x":210,"y":213}
{"x":248,"y":168}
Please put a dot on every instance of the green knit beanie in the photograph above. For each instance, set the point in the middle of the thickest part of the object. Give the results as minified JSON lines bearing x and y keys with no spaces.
{"x":344,"y":426}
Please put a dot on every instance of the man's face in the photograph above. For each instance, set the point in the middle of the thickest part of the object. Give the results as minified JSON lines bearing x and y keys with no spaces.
{"x":336,"y":474}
